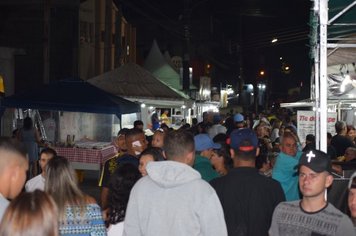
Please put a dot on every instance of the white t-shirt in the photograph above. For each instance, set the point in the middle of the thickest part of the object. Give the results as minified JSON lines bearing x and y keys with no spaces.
{"x":37,"y":182}
{"x":4,"y":203}
{"x":116,"y":229}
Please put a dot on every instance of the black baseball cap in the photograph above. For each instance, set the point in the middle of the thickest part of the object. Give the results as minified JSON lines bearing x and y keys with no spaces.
{"x":316,"y":160}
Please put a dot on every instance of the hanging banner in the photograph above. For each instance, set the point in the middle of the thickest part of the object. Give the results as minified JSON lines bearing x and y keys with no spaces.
{"x":306,"y":123}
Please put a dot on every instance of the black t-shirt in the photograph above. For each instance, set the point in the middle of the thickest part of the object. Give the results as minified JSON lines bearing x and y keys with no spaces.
{"x":341,"y":143}
{"x":111,"y":165}
{"x":248,"y":199}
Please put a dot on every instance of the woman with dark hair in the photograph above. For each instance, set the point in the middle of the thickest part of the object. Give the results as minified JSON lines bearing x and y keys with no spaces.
{"x":221,"y":160}
{"x":149,"y":154}
{"x":78,"y":213}
{"x":30,"y":214}
{"x":30,"y":137}
{"x":121,"y":183}
{"x":351,"y":133}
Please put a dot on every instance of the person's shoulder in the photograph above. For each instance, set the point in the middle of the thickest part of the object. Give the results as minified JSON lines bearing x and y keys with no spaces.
{"x":127,"y":158}
{"x":260,"y":177}
{"x":111,"y":159}
{"x":331,"y":209}
{"x":32,"y":183}
{"x":91,"y":204}
{"x":220,"y":182}
{"x":34,"y":179}
{"x":339,"y":138}
{"x":203,"y":187}
{"x":289,"y":206}
{"x":89,"y":200}
{"x":339,"y":216}
{"x":3,"y":202}
{"x":200,"y":160}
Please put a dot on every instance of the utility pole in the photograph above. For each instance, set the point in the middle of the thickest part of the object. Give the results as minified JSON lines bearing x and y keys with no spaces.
{"x":46,"y":39}
{"x":108,"y":36}
{"x":186,"y":44}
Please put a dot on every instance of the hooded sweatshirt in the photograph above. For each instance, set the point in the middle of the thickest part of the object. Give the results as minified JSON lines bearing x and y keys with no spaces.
{"x":173,"y":200}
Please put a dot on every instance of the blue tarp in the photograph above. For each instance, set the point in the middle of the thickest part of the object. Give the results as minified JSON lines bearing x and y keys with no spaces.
{"x":70,"y":95}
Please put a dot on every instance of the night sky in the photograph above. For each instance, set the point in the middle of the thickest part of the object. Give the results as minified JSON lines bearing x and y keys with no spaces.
{"x":233,"y":36}
{"x":230,"y":33}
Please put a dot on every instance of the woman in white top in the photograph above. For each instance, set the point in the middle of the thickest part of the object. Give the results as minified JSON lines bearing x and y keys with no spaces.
{"x":121,"y":183}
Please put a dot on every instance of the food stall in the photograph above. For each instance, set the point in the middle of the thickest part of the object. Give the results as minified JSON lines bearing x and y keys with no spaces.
{"x":81,"y":111}
{"x":136,"y":84}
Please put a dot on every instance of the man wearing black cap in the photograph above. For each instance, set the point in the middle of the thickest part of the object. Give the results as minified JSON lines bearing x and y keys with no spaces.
{"x":248,"y":197}
{"x":313,"y":215}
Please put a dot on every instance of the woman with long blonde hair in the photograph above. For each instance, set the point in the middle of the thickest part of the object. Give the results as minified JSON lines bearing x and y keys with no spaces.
{"x":31,"y":214}
{"x":78,"y":213}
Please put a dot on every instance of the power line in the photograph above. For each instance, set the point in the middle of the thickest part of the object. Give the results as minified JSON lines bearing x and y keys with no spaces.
{"x":280,"y":31}
{"x":279,"y":37}
{"x":167,"y":28}
{"x":266,"y":45}
{"x":150,"y":5}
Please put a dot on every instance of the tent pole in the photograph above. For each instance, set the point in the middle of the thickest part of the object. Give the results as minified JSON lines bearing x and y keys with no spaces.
{"x":323,"y":14}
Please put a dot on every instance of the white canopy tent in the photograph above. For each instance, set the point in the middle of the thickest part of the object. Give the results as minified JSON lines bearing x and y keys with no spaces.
{"x":157,"y":64}
{"x":333,"y":33}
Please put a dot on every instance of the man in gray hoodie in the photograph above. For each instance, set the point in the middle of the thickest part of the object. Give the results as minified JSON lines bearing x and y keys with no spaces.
{"x":173,"y":199}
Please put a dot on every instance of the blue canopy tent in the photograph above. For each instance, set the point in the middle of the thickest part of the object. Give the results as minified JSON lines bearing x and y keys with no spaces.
{"x":70,"y":95}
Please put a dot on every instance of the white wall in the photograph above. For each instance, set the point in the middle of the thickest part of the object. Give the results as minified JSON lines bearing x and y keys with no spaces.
{"x":98,"y":127}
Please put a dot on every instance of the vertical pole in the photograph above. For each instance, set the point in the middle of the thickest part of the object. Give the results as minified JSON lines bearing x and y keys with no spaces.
{"x":46,"y":39}
{"x":186,"y":57}
{"x":118,"y":47}
{"x":323,"y":14}
{"x":108,"y":35}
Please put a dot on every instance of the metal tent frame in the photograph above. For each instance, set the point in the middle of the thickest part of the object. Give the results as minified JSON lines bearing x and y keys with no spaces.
{"x":328,"y":34}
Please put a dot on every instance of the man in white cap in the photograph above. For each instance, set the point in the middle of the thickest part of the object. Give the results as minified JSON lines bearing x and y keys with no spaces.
{"x":312,"y":215}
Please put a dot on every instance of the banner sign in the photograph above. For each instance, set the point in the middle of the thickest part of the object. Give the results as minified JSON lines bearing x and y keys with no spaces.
{"x":306,"y":123}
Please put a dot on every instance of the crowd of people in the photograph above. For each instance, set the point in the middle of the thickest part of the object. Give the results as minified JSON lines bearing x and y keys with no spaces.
{"x":227,"y":175}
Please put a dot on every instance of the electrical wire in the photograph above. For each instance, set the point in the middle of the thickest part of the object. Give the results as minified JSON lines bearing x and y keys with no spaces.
{"x":279,"y":37}
{"x":150,"y":5}
{"x":280,"y":31}
{"x":168,"y":28}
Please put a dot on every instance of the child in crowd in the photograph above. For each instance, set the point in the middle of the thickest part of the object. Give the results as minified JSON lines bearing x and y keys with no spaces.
{"x":157,"y":139}
{"x":149,"y":154}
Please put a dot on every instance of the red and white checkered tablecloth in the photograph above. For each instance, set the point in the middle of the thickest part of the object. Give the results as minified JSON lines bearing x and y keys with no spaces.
{"x":92,"y":156}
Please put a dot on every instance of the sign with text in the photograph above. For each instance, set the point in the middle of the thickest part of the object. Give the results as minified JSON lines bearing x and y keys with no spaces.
{"x":306,"y":123}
